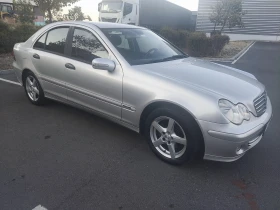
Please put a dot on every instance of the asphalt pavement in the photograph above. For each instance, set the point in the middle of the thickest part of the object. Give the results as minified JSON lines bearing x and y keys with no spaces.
{"x":64,"y":158}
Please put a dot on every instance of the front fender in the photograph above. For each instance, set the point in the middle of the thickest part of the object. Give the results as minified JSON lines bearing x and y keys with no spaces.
{"x":141,"y":90}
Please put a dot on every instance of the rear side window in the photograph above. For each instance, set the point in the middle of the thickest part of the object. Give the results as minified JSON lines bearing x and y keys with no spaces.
{"x":86,"y":47}
{"x":40,"y":44}
{"x":56,"y":40}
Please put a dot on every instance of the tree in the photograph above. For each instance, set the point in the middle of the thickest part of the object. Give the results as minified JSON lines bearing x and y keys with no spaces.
{"x":88,"y":18}
{"x":24,"y":11}
{"x":76,"y":13}
{"x":227,"y":13}
{"x":216,"y":15}
{"x":50,"y":6}
{"x":58,"y":15}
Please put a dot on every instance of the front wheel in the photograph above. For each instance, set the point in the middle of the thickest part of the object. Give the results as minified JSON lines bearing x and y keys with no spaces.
{"x":170,"y":136}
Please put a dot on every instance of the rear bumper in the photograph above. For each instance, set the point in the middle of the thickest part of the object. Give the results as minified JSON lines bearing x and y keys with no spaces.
{"x":18,"y":72}
{"x":229,"y":142}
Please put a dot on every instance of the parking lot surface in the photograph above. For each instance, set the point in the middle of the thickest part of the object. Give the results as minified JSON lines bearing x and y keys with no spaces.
{"x":63,"y":158}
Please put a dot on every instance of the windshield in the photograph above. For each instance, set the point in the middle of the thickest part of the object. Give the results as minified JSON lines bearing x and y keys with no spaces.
{"x":141,"y":46}
{"x":111,"y":7}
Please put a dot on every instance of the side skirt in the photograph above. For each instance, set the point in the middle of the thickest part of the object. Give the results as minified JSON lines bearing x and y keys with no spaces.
{"x":115,"y":120}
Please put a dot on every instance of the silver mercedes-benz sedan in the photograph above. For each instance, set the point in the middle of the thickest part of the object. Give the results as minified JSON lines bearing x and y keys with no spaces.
{"x":185,"y":107}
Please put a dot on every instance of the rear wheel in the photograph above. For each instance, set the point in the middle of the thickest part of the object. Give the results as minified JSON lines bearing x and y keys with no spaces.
{"x":170,"y":135}
{"x":33,"y":89}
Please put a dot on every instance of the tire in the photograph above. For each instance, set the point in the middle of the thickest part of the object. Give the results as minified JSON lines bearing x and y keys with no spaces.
{"x":33,"y":89}
{"x":181,"y":139}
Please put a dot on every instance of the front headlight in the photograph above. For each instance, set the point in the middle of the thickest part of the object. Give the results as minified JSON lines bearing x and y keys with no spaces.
{"x":234,"y":113}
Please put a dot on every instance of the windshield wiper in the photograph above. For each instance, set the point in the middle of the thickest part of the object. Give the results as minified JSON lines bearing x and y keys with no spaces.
{"x":175,"y":57}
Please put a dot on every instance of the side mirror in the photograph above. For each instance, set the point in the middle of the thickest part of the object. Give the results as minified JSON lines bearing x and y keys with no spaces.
{"x":104,"y":64}
{"x":99,"y":6}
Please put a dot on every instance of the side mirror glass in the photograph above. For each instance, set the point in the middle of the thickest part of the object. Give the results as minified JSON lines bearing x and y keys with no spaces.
{"x":99,"y":7}
{"x":104,"y":64}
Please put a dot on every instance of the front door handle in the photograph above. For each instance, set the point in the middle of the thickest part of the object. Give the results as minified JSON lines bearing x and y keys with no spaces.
{"x":70,"y":66}
{"x":36,"y":56}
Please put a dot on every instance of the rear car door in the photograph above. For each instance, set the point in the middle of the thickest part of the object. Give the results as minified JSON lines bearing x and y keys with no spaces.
{"x":95,"y":89}
{"x":48,"y":59}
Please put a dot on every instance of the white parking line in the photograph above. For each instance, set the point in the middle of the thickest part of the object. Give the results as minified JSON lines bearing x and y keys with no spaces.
{"x":11,"y":82}
{"x":243,"y":54}
{"x":40,"y":207}
{"x":6,"y":70}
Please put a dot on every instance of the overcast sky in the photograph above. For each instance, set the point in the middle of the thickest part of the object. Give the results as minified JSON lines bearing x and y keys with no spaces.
{"x":89,"y":7}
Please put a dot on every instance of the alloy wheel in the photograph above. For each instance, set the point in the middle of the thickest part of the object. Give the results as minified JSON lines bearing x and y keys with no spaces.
{"x":168,"y":137}
{"x":32,"y":88}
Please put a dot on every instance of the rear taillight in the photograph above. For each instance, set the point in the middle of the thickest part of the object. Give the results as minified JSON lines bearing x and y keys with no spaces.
{"x":13,"y":54}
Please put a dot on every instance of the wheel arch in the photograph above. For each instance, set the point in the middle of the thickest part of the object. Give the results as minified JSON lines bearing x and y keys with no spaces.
{"x":159,"y":104}
{"x":24,"y":73}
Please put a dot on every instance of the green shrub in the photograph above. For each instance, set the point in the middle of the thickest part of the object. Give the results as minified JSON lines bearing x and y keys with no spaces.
{"x":198,"y":34}
{"x":213,"y":33}
{"x":176,"y":37}
{"x":218,"y":43}
{"x":3,"y":26}
{"x":199,"y":46}
{"x":182,"y":35}
{"x":196,"y":43}
{"x":4,"y":31}
{"x":12,"y":34}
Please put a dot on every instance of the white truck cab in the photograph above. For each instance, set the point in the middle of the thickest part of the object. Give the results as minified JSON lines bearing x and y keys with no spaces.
{"x":118,"y":11}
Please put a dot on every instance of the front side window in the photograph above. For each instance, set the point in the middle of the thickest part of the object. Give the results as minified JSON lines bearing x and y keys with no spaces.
{"x":86,"y":47}
{"x":56,"y":40}
{"x":142,"y":46}
{"x":111,"y":7}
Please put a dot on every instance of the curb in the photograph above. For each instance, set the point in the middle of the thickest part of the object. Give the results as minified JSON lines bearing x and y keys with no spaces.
{"x":232,"y":59}
{"x":242,"y":51}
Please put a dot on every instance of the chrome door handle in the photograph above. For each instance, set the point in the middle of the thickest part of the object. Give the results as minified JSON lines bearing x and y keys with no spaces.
{"x":36,"y":56}
{"x":70,"y":66}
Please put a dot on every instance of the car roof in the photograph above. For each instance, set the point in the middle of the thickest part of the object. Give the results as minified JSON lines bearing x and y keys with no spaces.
{"x":100,"y":25}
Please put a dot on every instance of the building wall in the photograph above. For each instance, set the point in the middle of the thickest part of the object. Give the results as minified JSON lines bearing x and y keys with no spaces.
{"x":39,"y":17}
{"x":262,"y":17}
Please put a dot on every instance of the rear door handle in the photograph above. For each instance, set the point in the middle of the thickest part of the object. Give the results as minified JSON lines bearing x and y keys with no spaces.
{"x":70,"y":66}
{"x":36,"y":56}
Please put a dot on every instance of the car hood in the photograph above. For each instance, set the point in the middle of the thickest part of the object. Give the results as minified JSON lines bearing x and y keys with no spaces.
{"x":229,"y":83}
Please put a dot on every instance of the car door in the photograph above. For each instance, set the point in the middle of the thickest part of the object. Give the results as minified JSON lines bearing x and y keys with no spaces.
{"x":96,"y":89}
{"x":48,"y":59}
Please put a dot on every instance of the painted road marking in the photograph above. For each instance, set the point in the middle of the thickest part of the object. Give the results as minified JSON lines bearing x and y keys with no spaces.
{"x":6,"y":70}
{"x":243,"y":53}
{"x":39,"y":207}
{"x":11,"y":82}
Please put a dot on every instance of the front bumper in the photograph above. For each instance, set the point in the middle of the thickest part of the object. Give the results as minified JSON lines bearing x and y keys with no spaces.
{"x":229,"y":142}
